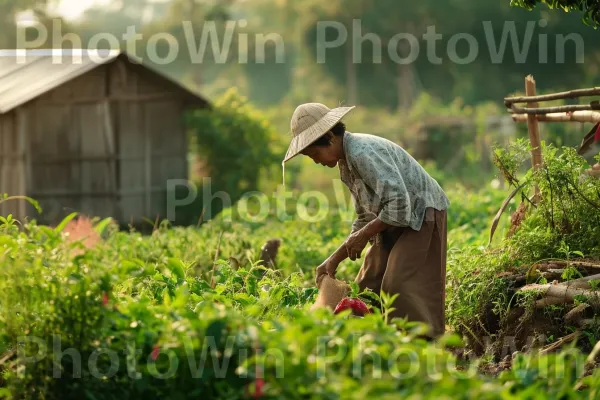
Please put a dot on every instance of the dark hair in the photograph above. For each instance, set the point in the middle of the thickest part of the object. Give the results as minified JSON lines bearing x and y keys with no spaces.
{"x":338,"y":130}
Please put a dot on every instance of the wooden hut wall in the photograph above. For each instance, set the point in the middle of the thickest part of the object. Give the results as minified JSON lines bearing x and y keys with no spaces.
{"x":70,"y":149}
{"x":151,"y":139}
{"x":12,"y":166}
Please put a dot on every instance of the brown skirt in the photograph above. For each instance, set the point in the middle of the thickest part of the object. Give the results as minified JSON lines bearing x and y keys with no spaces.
{"x":411,"y":264}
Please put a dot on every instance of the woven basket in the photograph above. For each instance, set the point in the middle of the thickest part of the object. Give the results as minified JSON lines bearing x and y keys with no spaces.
{"x":331,"y":292}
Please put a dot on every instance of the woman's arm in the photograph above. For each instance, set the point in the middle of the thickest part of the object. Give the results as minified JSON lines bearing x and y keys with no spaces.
{"x":374,"y":227}
{"x":329,"y":266}
{"x":357,"y":242}
{"x":351,"y":248}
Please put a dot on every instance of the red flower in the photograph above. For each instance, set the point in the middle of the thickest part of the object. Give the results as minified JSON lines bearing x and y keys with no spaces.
{"x":259,"y":383}
{"x":155,"y":352}
{"x":104,"y":299}
{"x":357,"y":306}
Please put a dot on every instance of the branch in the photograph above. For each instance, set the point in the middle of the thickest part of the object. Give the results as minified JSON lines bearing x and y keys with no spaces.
{"x":551,"y":197}
{"x":565,"y":339}
{"x":505,"y":204}
{"x":584,"y":197}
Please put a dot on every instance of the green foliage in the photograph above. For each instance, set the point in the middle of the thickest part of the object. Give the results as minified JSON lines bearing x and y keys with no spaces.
{"x":564,"y":224}
{"x":568,"y":194}
{"x":231,"y":137}
{"x":589,"y":8}
{"x":509,"y":161}
{"x":144,"y":301}
{"x":237,"y":145}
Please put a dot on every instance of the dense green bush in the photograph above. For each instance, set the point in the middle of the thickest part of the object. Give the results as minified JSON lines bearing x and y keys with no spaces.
{"x":237,"y":144}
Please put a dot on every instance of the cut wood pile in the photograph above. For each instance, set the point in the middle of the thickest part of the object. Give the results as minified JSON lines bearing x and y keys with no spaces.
{"x":581,"y":295}
{"x":552,"y":303}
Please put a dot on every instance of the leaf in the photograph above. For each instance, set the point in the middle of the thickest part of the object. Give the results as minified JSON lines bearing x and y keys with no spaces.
{"x":243,"y":298}
{"x":31,"y":201}
{"x":101,"y":226}
{"x":177,"y":268}
{"x":501,"y":211}
{"x":148,"y":220}
{"x":166,"y":297}
{"x":220,"y":289}
{"x":89,"y":395}
{"x":60,"y":227}
{"x":451,"y":340}
{"x":367,"y":294}
{"x":251,"y":285}
{"x":308,"y":294}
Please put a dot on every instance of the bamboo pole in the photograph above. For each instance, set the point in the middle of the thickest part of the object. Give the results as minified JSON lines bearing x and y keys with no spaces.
{"x":594,"y":105}
{"x":534,"y":131}
{"x":571,"y":94}
{"x":577,"y":116}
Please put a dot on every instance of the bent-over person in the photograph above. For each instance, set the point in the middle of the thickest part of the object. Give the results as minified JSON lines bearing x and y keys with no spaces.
{"x":401,"y":211}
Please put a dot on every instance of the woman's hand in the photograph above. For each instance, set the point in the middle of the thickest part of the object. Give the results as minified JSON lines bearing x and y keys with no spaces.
{"x":328,"y":267}
{"x":356,"y":243}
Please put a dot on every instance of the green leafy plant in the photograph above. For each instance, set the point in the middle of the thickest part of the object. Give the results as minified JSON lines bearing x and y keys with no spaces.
{"x":589,"y":8}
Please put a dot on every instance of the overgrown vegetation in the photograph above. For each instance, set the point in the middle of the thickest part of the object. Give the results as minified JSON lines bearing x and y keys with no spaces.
{"x":562,"y":225}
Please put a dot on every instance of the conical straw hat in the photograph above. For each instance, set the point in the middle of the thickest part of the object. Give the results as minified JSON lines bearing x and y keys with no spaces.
{"x":309,"y":122}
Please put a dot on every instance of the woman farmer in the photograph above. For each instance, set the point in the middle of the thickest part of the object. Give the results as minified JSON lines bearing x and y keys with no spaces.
{"x":401,"y":211}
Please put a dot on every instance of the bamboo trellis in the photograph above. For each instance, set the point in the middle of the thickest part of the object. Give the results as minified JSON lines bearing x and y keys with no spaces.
{"x":532,"y":114}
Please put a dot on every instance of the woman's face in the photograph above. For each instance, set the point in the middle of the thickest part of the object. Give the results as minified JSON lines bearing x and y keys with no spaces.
{"x":324,"y":155}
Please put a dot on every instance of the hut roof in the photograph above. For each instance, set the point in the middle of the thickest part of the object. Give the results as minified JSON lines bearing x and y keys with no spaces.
{"x":21,"y":82}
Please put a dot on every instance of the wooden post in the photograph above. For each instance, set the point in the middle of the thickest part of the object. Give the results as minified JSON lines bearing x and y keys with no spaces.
{"x":109,"y":141}
{"x":5,"y":157}
{"x":147,"y":165}
{"x":24,"y":151}
{"x":534,"y":130}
